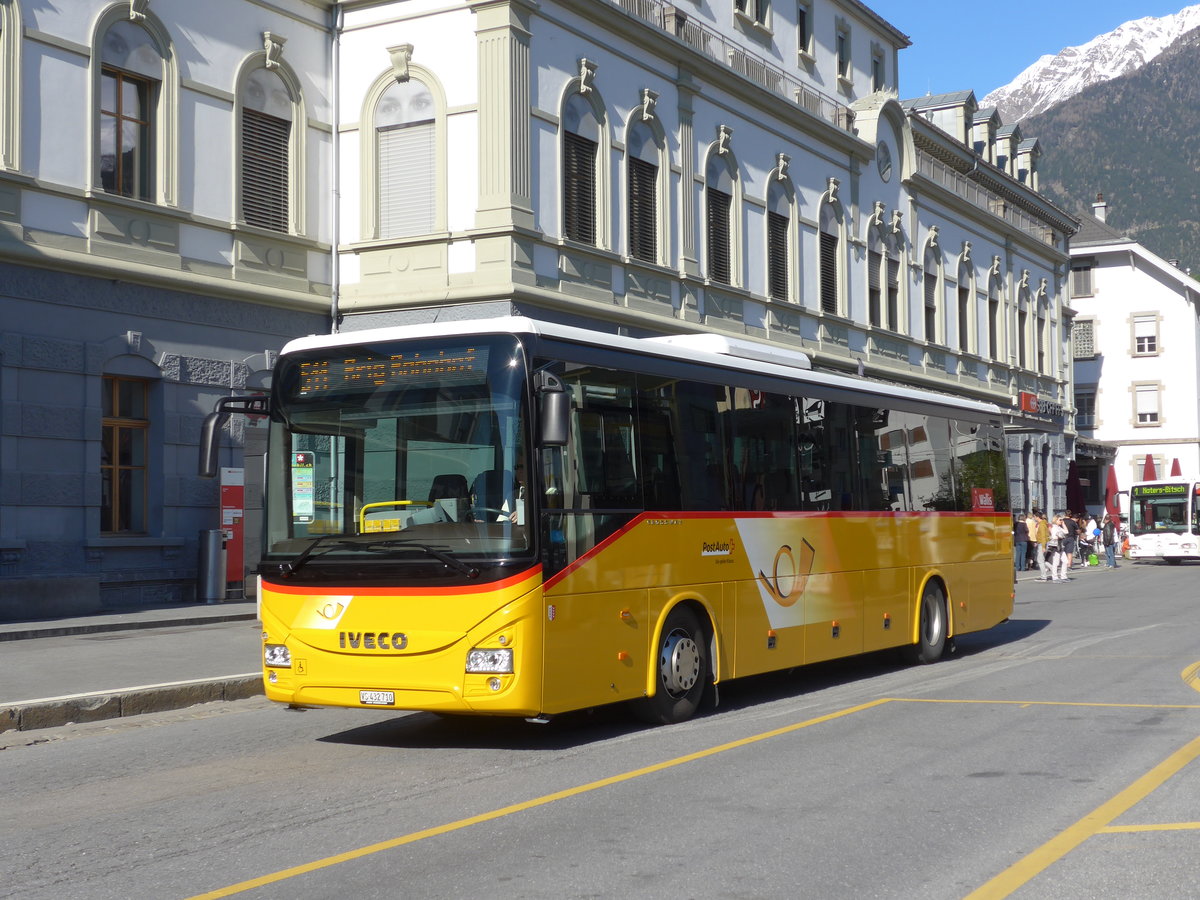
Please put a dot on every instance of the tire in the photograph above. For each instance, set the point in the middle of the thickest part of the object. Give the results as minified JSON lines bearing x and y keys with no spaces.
{"x":681,"y":664}
{"x":1174,"y":560}
{"x":931,"y":632}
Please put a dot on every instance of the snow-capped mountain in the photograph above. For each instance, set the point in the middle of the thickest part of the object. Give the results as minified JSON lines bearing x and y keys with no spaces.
{"x":1053,"y":79}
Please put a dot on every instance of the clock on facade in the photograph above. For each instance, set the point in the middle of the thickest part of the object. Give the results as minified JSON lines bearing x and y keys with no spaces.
{"x":883,"y":158}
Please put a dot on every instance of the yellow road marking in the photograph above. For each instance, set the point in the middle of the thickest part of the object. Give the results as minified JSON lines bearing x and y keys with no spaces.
{"x":1133,"y":829}
{"x":520,"y":807}
{"x":1093,"y":823}
{"x":1024,"y":704}
{"x":1191,"y":676}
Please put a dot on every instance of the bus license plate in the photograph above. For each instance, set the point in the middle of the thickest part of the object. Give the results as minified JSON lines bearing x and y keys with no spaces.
{"x":377,"y":698}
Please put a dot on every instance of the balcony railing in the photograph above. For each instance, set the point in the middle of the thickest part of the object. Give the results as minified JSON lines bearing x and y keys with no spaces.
{"x":750,"y":66}
{"x":975,"y":193}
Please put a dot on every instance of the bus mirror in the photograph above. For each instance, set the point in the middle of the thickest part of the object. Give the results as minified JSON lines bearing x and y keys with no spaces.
{"x":210,"y":432}
{"x":210,"y":435}
{"x":554,"y":409}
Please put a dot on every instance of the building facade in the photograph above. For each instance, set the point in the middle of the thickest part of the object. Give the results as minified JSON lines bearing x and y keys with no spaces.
{"x":743,"y":167}
{"x":1137,"y":321}
{"x":164,"y":228}
{"x":187,"y":185}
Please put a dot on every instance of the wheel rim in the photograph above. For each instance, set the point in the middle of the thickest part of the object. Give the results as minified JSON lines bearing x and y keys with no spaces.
{"x":932,"y":617}
{"x":679,"y":663}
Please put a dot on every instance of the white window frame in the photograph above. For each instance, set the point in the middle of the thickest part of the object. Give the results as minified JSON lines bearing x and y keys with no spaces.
{"x":1145,"y":339}
{"x":1147,"y":414}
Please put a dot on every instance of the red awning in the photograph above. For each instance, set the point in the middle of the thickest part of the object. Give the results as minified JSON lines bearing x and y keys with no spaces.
{"x":1149,"y":473}
{"x":1110,"y":493}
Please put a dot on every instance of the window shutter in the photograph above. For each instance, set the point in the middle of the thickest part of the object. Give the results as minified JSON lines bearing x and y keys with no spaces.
{"x":829,"y":255}
{"x":579,"y":188}
{"x":1147,"y":403}
{"x":893,"y":293}
{"x":718,"y":204}
{"x":265,"y":167}
{"x":643,"y":210}
{"x":777,"y":256}
{"x":1081,"y":281}
{"x":407,"y":193}
{"x":874,"y":264}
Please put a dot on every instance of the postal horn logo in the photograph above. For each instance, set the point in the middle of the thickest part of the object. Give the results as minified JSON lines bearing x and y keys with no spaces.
{"x":331,"y":610}
{"x":789,"y":574}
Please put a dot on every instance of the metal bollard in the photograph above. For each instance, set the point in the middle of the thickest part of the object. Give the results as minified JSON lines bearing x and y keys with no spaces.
{"x":212,"y":566}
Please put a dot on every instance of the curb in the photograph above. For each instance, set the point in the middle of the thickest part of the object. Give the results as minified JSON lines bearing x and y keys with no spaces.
{"x":100,"y":627}
{"x":97,"y":705}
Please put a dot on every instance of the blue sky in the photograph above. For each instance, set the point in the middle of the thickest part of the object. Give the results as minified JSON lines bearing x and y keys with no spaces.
{"x":981,"y":46}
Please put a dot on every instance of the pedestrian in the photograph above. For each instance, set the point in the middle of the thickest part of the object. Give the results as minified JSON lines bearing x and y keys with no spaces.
{"x":1108,"y":536}
{"x":1068,"y":544}
{"x":1041,"y":540}
{"x":1092,"y":530}
{"x":1031,"y":557}
{"x":1020,"y":542}
{"x":1060,"y":555}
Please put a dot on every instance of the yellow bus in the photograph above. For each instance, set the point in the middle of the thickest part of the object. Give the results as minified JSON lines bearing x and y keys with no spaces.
{"x":510,"y":517}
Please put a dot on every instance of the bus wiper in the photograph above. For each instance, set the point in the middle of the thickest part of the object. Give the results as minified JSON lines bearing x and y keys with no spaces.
{"x":437,"y":553}
{"x":287,"y":569}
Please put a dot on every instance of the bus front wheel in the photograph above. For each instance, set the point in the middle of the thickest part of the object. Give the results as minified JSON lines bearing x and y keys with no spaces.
{"x":931,"y":634}
{"x":681,"y":664}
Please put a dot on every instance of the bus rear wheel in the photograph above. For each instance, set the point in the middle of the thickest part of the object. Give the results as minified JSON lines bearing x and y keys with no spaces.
{"x":931,"y":633}
{"x":1173,"y":560}
{"x":681,"y":665}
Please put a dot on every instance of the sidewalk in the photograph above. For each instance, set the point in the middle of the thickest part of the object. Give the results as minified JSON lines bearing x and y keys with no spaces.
{"x":127,"y":663}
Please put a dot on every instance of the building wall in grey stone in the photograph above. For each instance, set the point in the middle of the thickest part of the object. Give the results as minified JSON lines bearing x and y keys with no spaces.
{"x":62,"y":334}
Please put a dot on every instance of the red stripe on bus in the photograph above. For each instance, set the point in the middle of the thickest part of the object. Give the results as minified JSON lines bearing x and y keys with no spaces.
{"x":512,"y":580}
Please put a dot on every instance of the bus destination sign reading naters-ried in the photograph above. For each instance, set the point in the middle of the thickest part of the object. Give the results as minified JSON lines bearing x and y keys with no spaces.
{"x":363,"y":372}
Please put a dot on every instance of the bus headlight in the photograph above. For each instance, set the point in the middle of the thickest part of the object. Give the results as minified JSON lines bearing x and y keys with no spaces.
{"x":277,"y":656}
{"x":482,"y":662}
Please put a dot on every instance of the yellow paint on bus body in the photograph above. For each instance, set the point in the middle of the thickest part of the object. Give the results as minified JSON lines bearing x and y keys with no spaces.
{"x":779,"y":590}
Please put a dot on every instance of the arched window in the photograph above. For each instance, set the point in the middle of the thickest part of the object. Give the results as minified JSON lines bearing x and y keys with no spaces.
{"x":994,"y":320}
{"x":718,"y":211}
{"x":930,"y":292}
{"x":1042,"y":326}
{"x":1022,"y":331}
{"x":893,"y":283}
{"x":124,"y":455}
{"x":875,"y":277}
{"x":266,"y":152}
{"x":642,"y":201}
{"x":580,"y":155}
{"x":829,"y":253}
{"x":965,"y":287}
{"x":131,"y":77}
{"x":779,"y":220}
{"x":406,"y":160}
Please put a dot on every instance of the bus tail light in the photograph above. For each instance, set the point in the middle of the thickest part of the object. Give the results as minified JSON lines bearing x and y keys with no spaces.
{"x":485,"y":662}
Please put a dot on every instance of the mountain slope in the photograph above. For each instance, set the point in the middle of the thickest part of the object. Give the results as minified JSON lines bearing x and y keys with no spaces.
{"x":1054,"y":79}
{"x":1135,"y":139}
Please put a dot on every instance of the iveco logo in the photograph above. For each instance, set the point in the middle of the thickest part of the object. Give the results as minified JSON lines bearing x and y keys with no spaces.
{"x":372,"y":640}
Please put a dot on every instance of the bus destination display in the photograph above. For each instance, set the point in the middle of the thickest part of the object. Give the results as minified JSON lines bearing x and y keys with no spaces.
{"x":363,"y":372}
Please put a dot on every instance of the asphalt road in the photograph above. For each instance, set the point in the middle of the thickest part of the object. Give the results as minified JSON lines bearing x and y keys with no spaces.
{"x":1055,"y":756}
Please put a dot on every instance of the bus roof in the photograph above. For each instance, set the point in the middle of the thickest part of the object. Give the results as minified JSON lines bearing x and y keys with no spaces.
{"x":697,"y":349}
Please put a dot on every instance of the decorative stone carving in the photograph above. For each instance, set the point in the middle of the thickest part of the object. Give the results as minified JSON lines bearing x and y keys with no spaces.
{"x":877,"y":210}
{"x":273,"y":46}
{"x":587,"y":75}
{"x":782,"y":162}
{"x":137,"y":9}
{"x":724,"y":133}
{"x":649,"y":99}
{"x":401,"y":56}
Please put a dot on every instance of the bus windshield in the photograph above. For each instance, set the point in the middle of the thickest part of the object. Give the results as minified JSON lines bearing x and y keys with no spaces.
{"x":1161,"y":509}
{"x":386,"y":451}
